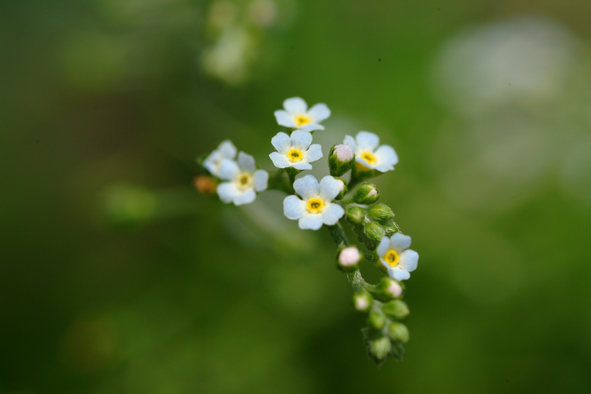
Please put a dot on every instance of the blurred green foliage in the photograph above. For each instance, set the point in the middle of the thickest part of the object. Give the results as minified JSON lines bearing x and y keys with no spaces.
{"x":117,"y":277}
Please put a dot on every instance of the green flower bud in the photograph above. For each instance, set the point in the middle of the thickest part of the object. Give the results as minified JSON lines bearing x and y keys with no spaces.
{"x":379,"y":348}
{"x":396,"y":309}
{"x":340,"y":159}
{"x":344,"y":189}
{"x":380,"y":212}
{"x":391,"y":228}
{"x":355,"y":215}
{"x":366,"y":194}
{"x":377,"y":319}
{"x":369,"y":244}
{"x":348,"y":259}
{"x":374,"y":231}
{"x":389,"y":289}
{"x":398,"y":332}
{"x":362,"y":301}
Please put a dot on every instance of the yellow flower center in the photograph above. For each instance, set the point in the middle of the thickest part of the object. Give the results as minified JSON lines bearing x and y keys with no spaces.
{"x":295,"y":155}
{"x":315,"y":205}
{"x":301,"y":120}
{"x":369,"y":158}
{"x":391,"y":257}
{"x":244,"y":181}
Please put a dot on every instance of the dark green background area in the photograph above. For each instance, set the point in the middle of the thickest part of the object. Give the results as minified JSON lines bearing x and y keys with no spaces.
{"x":116,"y":276}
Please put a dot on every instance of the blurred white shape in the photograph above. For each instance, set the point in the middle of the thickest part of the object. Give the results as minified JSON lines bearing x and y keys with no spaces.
{"x":229,"y":57}
{"x":262,"y":13}
{"x":521,"y":62}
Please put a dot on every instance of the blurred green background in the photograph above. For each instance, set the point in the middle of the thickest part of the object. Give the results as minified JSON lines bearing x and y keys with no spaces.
{"x":116,"y":276}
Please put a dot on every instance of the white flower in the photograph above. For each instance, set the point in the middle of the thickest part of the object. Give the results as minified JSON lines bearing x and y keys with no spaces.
{"x":367,"y":153}
{"x":226,"y":150}
{"x":295,"y":151}
{"x":349,"y":256}
{"x":244,"y":180}
{"x":297,"y":115}
{"x":396,"y":257}
{"x":316,"y":207}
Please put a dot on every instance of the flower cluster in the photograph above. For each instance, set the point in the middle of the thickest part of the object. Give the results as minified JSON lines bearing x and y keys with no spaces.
{"x":331,"y":202}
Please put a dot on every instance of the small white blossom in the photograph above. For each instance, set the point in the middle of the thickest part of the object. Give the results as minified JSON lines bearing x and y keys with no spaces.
{"x":396,"y":257}
{"x":349,"y":256}
{"x":295,"y":151}
{"x":297,"y":115}
{"x":369,"y":154}
{"x":394,"y":289}
{"x":316,"y":207}
{"x":226,"y":150}
{"x":244,"y":180}
{"x":344,"y":153}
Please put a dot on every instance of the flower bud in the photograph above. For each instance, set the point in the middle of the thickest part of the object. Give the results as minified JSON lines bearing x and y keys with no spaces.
{"x":377,"y":319}
{"x":396,"y":309}
{"x":362,"y":301}
{"x":205,"y":185}
{"x":391,"y":228}
{"x":380,"y":212}
{"x":366,"y":194}
{"x":398,"y":332}
{"x":389,"y":288}
{"x":340,"y":159}
{"x":380,"y":347}
{"x":348,"y":259}
{"x":344,"y":189}
{"x":355,"y":215}
{"x":374,"y":231}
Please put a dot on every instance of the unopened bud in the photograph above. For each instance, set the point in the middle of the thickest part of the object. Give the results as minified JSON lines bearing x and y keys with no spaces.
{"x":391,"y":228}
{"x":340,"y":159}
{"x":396,"y":309}
{"x":343,"y":189}
{"x":380,"y":347}
{"x":366,"y":194}
{"x":398,"y":332}
{"x":362,"y":301}
{"x":205,"y":185}
{"x":389,"y":288}
{"x":355,"y":215}
{"x":374,"y":231}
{"x":348,"y":259}
{"x":380,"y":212}
{"x":377,"y":319}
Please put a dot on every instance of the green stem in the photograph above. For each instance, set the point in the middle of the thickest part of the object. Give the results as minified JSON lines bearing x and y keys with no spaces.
{"x":338,"y":235}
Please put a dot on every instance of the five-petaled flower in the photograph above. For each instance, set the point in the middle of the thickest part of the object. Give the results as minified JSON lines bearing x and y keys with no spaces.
{"x":297,"y":115}
{"x":295,"y":151}
{"x":316,"y":207}
{"x":396,"y":257}
{"x":244,"y":180}
{"x":212,"y":163}
{"x":369,"y":155}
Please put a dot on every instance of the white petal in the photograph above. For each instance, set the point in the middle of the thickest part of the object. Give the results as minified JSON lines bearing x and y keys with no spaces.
{"x":306,"y":187}
{"x":212,"y":163}
{"x":351,"y":142}
{"x":383,"y":246}
{"x":227,"y":149}
{"x":311,"y":127}
{"x":295,"y":105}
{"x":319,"y":112}
{"x":398,"y":274}
{"x":383,"y":167}
{"x":261,"y":179}
{"x":245,"y":198}
{"x":294,"y":208}
{"x":227,"y":191}
{"x":228,"y":169}
{"x":399,"y":242}
{"x":367,"y":140}
{"x":284,"y":119}
{"x":314,"y":153}
{"x":301,"y":139}
{"x":329,"y":188}
{"x":310,"y":222}
{"x":281,"y":142}
{"x":279,"y":160}
{"x":409,"y":259}
{"x":246,"y":162}
{"x":332,"y":214}
{"x":302,"y":165}
{"x":385,"y":154}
